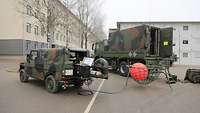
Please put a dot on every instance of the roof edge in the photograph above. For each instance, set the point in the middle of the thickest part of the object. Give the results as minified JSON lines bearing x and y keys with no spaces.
{"x":196,"y":21}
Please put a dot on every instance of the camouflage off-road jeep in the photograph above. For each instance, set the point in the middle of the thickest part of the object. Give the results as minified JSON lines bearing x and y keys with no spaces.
{"x":62,"y":67}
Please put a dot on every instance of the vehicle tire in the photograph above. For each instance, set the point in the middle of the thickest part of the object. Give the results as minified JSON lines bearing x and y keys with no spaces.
{"x":23,"y":76}
{"x":78,"y":83}
{"x":123,"y":69}
{"x":51,"y":84}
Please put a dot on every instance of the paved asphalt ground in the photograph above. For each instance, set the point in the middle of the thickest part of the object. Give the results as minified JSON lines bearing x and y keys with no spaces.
{"x":31,"y":97}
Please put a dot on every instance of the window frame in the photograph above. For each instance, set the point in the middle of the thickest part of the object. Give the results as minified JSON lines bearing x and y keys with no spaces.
{"x":185,"y":42}
{"x":185,"y":28}
{"x":29,"y":10}
{"x":28,"y":27}
{"x":42,"y":31}
{"x":185,"y":54}
{"x":36,"y":30}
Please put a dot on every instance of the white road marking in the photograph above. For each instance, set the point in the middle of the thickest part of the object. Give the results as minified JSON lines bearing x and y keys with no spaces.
{"x":87,"y":110}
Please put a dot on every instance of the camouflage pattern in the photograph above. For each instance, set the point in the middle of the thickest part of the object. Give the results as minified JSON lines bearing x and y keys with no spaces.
{"x":127,"y":40}
{"x":46,"y":61}
{"x":62,"y":68}
{"x":145,"y":44}
{"x":137,"y":42}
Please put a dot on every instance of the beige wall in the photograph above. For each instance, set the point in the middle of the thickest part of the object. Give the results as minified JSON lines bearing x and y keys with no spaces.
{"x":11,"y":21}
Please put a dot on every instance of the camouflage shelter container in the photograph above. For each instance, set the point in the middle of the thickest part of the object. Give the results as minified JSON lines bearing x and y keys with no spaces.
{"x":137,"y":42}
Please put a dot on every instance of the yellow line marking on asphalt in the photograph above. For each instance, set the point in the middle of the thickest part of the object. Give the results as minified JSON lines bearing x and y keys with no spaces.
{"x":87,"y":110}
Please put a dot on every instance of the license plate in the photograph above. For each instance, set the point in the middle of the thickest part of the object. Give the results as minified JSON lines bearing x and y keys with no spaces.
{"x":68,"y":72}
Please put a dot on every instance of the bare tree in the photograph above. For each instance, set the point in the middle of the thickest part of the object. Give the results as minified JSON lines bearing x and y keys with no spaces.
{"x":70,"y":4}
{"x":88,"y":12}
{"x":98,"y":27}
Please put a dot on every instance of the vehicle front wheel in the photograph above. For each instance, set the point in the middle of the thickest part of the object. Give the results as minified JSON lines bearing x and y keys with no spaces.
{"x":123,"y":69}
{"x":23,"y":76}
{"x":51,"y":84}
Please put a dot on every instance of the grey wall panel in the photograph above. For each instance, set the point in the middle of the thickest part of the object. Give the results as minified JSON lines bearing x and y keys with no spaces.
{"x":11,"y":47}
{"x":19,"y":47}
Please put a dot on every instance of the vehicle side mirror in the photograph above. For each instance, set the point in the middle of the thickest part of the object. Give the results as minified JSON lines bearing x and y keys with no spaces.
{"x":28,"y":58}
{"x":105,"y":42}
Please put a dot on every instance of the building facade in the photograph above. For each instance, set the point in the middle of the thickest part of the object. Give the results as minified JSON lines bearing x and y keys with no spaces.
{"x":20,"y":31}
{"x":186,"y":38}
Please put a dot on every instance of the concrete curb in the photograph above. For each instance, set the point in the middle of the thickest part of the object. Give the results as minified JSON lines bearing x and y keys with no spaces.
{"x":13,"y":70}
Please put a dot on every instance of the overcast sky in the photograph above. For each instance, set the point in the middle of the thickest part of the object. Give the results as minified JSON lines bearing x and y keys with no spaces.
{"x":150,"y":10}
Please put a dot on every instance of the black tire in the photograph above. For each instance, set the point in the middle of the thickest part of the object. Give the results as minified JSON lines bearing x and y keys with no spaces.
{"x":23,"y":76}
{"x":123,"y":69}
{"x":171,"y":63}
{"x":78,"y":83}
{"x":51,"y":84}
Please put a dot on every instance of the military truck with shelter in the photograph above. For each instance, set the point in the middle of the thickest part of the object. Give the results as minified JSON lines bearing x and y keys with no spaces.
{"x":144,"y":44}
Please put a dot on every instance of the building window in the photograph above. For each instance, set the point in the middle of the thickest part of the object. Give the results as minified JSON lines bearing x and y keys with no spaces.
{"x":28,"y":44}
{"x":28,"y":10}
{"x":53,"y":37}
{"x":69,"y":36}
{"x":57,"y":35}
{"x":185,"y":55}
{"x":35,"y":45}
{"x":42,"y":45}
{"x":28,"y":27}
{"x":185,"y":28}
{"x":185,"y":41}
{"x":64,"y":38}
{"x":60,"y":37}
{"x":46,"y":45}
{"x":36,"y":30}
{"x":42,"y":16}
{"x":42,"y":31}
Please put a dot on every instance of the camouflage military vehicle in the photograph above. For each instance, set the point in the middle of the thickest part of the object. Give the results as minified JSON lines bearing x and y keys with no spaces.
{"x":145,"y":44}
{"x":62,"y":68}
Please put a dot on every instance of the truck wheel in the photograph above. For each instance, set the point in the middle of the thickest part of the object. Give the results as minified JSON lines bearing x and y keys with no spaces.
{"x":23,"y":76}
{"x":171,"y":63}
{"x":123,"y":69}
{"x":51,"y":84}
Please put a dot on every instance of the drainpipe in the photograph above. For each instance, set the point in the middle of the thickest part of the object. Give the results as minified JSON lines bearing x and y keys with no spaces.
{"x":179,"y":49}
{"x":23,"y":38}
